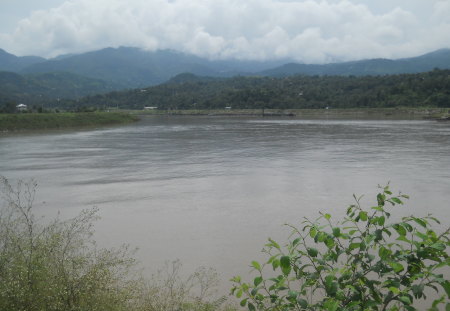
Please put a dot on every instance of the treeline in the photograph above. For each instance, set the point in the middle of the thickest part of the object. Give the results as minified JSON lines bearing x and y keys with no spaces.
{"x":191,"y":92}
{"x":40,"y":89}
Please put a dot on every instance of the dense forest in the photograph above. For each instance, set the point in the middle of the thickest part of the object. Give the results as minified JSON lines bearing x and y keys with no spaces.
{"x":188,"y":91}
{"x":38,"y":89}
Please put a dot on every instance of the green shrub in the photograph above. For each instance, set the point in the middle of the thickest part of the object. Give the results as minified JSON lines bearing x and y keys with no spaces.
{"x":169,"y":290}
{"x":56,"y":265}
{"x":367,"y":261}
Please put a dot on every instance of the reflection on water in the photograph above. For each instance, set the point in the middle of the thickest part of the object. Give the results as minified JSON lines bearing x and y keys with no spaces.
{"x":210,"y":190}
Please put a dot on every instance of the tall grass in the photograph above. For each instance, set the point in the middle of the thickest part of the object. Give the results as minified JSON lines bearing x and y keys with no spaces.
{"x":34,"y":121}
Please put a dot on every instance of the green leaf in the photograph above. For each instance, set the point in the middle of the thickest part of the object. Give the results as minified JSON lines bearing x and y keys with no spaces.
{"x":408,"y":227}
{"x":331,"y":305}
{"x":257,"y":280}
{"x":312,"y":232}
{"x":321,"y":236}
{"x":380,"y":199}
{"x":256,"y":265}
{"x":293,"y":294}
{"x":396,"y":266}
{"x":421,"y":222}
{"x":417,"y":290}
{"x":395,"y":290}
{"x":336,"y":232}
{"x":383,"y":253}
{"x":352,"y":232}
{"x":438,"y":246}
{"x":353,"y":246}
{"x":396,"y":200}
{"x":446,"y":286}
{"x":434,"y":219}
{"x":421,"y":235}
{"x":378,"y":235}
{"x":285,"y":261}
{"x":274,"y":244}
{"x":363,"y":215}
{"x":239,"y":293}
{"x":312,"y":252}
{"x":400,"y":229}
{"x":405,"y":300}
{"x":303,"y":303}
{"x":327,"y":216}
{"x":275,"y":264}
{"x":243,"y":302}
{"x":251,"y":307}
{"x":285,"y":264}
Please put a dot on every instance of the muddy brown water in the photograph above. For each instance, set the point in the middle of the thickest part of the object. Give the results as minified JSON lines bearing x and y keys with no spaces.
{"x":210,"y":190}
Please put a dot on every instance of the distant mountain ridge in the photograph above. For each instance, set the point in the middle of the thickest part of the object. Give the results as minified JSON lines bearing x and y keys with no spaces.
{"x":380,"y":66}
{"x":133,"y":67}
{"x":126,"y":67}
{"x":10,"y":62}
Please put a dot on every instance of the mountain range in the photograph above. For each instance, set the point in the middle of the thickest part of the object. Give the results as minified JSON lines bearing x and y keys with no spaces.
{"x":73,"y":76}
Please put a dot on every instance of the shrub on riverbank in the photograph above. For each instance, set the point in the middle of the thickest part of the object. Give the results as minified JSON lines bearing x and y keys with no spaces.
{"x":56,"y":266}
{"x":367,"y":261}
{"x":36,"y":121}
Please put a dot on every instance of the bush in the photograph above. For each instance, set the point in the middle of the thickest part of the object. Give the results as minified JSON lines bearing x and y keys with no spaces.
{"x":168,"y":290}
{"x":57,"y":266}
{"x":367,"y":261}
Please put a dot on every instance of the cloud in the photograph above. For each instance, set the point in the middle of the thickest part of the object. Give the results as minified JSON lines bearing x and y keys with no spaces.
{"x":308,"y":31}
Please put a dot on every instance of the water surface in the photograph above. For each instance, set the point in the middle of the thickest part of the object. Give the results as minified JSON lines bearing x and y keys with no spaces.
{"x":210,"y":190}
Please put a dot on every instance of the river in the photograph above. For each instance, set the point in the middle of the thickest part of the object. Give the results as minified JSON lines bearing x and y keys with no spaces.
{"x":210,"y":190}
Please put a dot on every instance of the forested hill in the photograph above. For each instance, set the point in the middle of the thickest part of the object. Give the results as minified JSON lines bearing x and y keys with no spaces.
{"x":127,"y":67}
{"x":10,"y":62}
{"x":40,"y":88}
{"x":191,"y":92}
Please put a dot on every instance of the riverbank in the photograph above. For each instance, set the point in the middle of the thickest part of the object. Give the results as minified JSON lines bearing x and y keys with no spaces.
{"x":358,"y":113}
{"x":39,"y":121}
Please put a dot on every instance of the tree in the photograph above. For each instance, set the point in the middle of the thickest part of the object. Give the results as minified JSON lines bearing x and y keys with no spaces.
{"x":8,"y":107}
{"x":367,"y":261}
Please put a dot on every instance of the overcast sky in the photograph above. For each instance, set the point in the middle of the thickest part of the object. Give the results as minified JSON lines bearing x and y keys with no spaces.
{"x":310,"y":31}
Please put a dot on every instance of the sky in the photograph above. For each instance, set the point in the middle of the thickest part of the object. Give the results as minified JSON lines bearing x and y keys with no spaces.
{"x":308,"y":31}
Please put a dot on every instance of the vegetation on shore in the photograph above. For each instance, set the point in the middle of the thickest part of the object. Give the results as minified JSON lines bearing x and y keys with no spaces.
{"x":372,"y":259}
{"x":37,"y":121}
{"x":430,"y":89}
{"x":55,"y":265}
{"x":365,"y":262}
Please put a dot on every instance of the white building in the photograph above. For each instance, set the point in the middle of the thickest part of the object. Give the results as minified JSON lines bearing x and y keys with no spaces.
{"x":21,"y":107}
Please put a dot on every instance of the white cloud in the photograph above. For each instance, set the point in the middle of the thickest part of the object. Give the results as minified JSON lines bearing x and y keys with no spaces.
{"x":311,"y":31}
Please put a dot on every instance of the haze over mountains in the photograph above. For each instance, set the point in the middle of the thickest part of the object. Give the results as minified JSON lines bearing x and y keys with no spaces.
{"x":101,"y":71}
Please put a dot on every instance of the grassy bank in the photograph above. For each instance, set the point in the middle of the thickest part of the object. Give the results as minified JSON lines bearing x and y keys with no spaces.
{"x":37,"y":121}
{"x":375,"y":113}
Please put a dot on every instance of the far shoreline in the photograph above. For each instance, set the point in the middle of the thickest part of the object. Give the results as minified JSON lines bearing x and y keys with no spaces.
{"x":29,"y":122}
{"x":398,"y":113}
